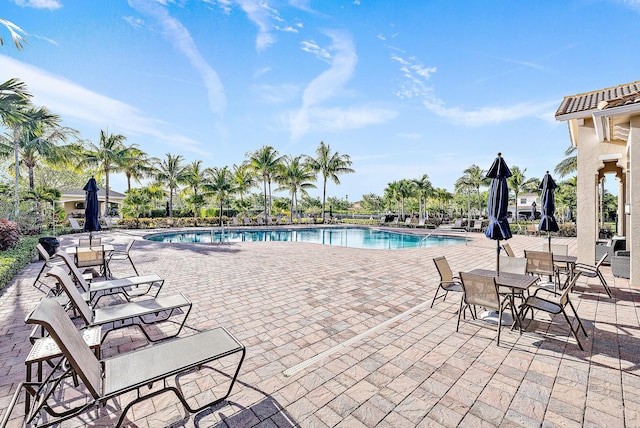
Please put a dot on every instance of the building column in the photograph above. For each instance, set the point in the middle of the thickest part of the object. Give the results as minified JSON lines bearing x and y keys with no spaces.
{"x":622,"y":221}
{"x":633,"y":194}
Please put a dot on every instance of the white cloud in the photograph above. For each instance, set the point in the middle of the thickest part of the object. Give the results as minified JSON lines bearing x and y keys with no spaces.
{"x":68,"y":99}
{"x":40,"y":4}
{"x":261,"y":15}
{"x":179,"y":36}
{"x":416,"y":85}
{"x":272,"y":94}
{"x":134,"y":22}
{"x":313,"y":48}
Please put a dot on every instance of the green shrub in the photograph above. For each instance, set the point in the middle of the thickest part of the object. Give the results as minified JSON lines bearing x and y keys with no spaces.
{"x":9,"y":234}
{"x":14,"y":259}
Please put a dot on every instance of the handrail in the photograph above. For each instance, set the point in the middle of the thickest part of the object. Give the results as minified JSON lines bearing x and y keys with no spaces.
{"x":452,"y":229}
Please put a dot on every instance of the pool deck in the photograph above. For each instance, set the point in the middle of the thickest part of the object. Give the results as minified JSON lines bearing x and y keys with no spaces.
{"x":354,"y":331}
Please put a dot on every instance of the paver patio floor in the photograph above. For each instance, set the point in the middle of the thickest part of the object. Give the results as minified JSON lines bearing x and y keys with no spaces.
{"x":288,"y":302}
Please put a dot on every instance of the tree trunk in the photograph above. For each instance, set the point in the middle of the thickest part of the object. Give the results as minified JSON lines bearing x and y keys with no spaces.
{"x":324,"y":197}
{"x":16,"y":201}
{"x":106,"y":193}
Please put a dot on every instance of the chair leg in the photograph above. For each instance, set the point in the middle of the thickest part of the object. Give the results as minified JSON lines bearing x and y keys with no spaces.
{"x":136,"y":270}
{"x":573,"y":332}
{"x":499,"y":326}
{"x":460,"y":313}
{"x":604,"y":283}
{"x":44,"y":265}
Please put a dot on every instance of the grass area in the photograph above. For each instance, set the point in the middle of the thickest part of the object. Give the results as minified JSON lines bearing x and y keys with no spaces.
{"x":14,"y":259}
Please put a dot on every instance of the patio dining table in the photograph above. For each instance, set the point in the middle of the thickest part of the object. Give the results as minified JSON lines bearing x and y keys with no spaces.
{"x":516,"y":282}
{"x":105,"y":249}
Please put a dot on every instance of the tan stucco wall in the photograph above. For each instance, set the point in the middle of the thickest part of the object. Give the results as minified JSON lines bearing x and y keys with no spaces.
{"x":633,"y":195}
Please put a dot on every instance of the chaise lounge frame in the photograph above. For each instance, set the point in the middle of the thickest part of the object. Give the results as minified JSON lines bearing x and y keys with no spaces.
{"x":107,"y":379}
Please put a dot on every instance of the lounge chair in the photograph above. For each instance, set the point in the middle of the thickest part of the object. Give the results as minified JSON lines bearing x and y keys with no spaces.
{"x":234,"y":221}
{"x":246,"y":221}
{"x":448,"y":282}
{"x":108,"y":379}
{"x":260,"y":221}
{"x":106,"y":223}
{"x":407,"y":222}
{"x":75,"y":225}
{"x":508,"y":250}
{"x":121,"y":255}
{"x":593,"y":271}
{"x":49,"y":262}
{"x":555,"y":306}
{"x":422,"y":222}
{"x":477,"y":226}
{"x":130,"y":311}
{"x":480,"y":290}
{"x":129,"y":287}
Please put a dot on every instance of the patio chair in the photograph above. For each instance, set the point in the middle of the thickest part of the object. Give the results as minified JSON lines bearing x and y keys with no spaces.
{"x":130,"y":311}
{"x":234,"y":221}
{"x":246,"y":221}
{"x":448,"y":282}
{"x":555,"y":306}
{"x":508,"y":250}
{"x":422,"y":222}
{"x":480,"y":290}
{"x":75,"y":225}
{"x":593,"y":271}
{"x":541,"y":263}
{"x":106,"y":223}
{"x":49,"y":262}
{"x":560,"y":249}
{"x":129,"y":287}
{"x":512,"y":265}
{"x":88,"y":242}
{"x":91,"y":257}
{"x":60,"y":396}
{"x":260,"y":221}
{"x":477,"y":226}
{"x":120,"y":255}
{"x":610,"y":247}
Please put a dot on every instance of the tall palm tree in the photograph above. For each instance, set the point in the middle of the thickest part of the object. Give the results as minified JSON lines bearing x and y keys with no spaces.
{"x":516,"y":182}
{"x":295,"y":175}
{"x":392,"y":193}
{"x":569,"y":165}
{"x":423,"y":188}
{"x":195,"y":177}
{"x":110,"y":155}
{"x":137,"y":165}
{"x":14,"y":98}
{"x":405,"y":189}
{"x":265,"y":162}
{"x":220,"y":185}
{"x":170,"y":172}
{"x":476,"y":177}
{"x":330,"y":165}
{"x":464,"y":184}
{"x":243,"y":181}
{"x":16,"y":36}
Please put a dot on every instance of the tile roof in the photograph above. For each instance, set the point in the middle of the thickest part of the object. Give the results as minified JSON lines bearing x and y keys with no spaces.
{"x":616,"y":96}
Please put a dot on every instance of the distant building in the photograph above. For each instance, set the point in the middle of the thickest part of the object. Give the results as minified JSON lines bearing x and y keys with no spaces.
{"x":73,"y":202}
{"x":525,"y":200}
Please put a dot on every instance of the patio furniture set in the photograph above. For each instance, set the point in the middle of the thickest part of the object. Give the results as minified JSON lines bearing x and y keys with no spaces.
{"x":551,"y":273}
{"x":66,"y":349}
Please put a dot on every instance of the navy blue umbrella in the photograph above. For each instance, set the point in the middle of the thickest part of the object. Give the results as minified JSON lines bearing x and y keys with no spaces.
{"x":498,"y":228}
{"x":548,"y":221}
{"x":91,"y":207}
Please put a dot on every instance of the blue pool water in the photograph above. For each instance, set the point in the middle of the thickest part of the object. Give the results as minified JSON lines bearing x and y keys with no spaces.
{"x":354,"y":237}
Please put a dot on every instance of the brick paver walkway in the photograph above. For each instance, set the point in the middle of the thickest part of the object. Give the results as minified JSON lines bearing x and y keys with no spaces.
{"x":288,"y":302}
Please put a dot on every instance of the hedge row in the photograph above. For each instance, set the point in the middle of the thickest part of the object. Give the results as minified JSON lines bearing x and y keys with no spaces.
{"x":15,"y":258}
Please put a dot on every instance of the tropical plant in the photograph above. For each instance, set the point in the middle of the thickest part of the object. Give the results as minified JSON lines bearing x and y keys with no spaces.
{"x":372,"y":203}
{"x":295,"y":176}
{"x":16,"y":34}
{"x":220,"y":185}
{"x":194,"y":177}
{"x":265,"y":163}
{"x":14,"y":98}
{"x":476,"y":177}
{"x":137,"y":165}
{"x":243,"y":181}
{"x":330,"y":165}
{"x":465,"y":185}
{"x":423,"y":189}
{"x":110,"y":155}
{"x":136,"y":203}
{"x":515,"y":182}
{"x":170,"y":172}
{"x":568,"y":165}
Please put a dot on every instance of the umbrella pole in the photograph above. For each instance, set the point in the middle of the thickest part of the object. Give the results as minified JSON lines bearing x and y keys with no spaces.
{"x":498,"y":257}
{"x":549,"y":241}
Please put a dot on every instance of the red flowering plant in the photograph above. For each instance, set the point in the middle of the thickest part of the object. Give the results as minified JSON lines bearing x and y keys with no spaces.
{"x":9,"y":234}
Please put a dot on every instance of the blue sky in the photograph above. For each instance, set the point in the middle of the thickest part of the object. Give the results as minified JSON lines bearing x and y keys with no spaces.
{"x":403,"y":87}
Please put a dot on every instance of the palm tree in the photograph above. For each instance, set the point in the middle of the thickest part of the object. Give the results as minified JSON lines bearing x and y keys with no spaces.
{"x":295,"y":175}
{"x":330,"y":165}
{"x":220,"y":185}
{"x":569,"y":165}
{"x":110,"y":155}
{"x":423,"y":188}
{"x":170,"y":171}
{"x":136,"y":203}
{"x":137,"y":165}
{"x":195,"y":177}
{"x":392,"y":193}
{"x":15,"y":31}
{"x":516,"y":181}
{"x":476,"y":177}
{"x":464,"y":184}
{"x":265,"y":162}
{"x":243,"y":181}
{"x":14,"y":98}
{"x":405,"y":189}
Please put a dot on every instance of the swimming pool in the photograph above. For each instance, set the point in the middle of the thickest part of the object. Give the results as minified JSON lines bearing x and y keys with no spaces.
{"x":353,"y":237}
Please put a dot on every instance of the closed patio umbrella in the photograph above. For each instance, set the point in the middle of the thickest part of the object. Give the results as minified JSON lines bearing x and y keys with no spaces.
{"x":498,"y":228}
{"x":548,"y":221}
{"x":91,"y":207}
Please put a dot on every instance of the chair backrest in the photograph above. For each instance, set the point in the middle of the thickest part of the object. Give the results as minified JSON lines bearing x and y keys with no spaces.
{"x":246,"y":221}
{"x":89,"y":257}
{"x":108,"y":222}
{"x":508,"y":250}
{"x":599,"y":262}
{"x":513,"y":264}
{"x":422,"y":221}
{"x":564,"y":297}
{"x":50,"y":315}
{"x":539,"y":262}
{"x":129,"y":245}
{"x":480,"y":290}
{"x":446,"y":275}
{"x":74,"y":224}
{"x":74,"y":295}
{"x":560,"y":249}
{"x":84,"y":242}
{"x":44,"y":253}
{"x":458,"y":223}
{"x":73,"y":270}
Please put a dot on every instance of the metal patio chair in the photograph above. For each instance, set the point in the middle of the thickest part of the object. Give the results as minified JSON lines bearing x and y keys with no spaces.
{"x":448,"y":282}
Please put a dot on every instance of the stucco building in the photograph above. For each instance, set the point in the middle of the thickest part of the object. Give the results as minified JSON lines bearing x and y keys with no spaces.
{"x":604,"y":126}
{"x":73,"y":202}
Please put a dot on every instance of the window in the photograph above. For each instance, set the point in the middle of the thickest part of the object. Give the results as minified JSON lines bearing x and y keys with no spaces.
{"x":523,"y":201}
{"x":79,"y":205}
